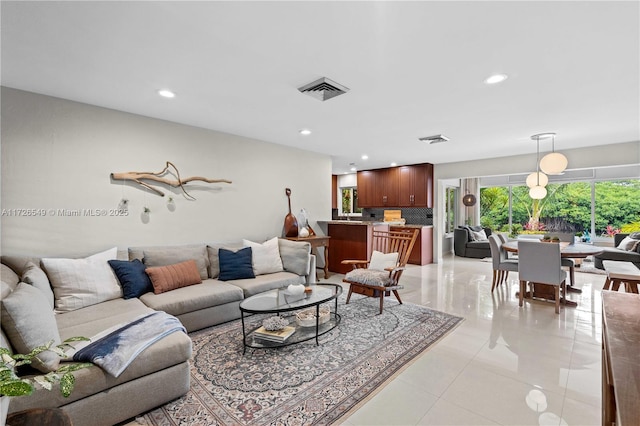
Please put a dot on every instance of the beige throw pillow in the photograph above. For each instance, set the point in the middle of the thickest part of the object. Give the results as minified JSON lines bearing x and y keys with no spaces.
{"x":36,"y":277}
{"x":29,"y":322}
{"x":78,"y":283}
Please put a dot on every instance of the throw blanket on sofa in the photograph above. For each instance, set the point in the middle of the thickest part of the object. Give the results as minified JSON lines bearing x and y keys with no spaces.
{"x":114,"y":349}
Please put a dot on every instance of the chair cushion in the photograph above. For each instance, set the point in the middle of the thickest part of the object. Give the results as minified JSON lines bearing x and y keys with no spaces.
{"x":381,"y":261}
{"x":368,"y":277}
{"x":480,"y":235}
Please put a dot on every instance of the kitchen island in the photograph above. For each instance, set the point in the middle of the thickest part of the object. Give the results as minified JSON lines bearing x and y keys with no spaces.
{"x":351,"y":239}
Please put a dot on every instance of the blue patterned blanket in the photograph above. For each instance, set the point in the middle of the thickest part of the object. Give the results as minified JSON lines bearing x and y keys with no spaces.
{"x":114,"y":349}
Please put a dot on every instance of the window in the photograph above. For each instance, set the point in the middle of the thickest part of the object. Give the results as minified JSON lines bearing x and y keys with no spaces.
{"x":350,"y":201}
{"x":567,"y":207}
{"x":451,"y":196}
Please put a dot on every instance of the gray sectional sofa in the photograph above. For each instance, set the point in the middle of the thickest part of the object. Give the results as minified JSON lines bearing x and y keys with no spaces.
{"x":615,"y":253}
{"x":161,"y":372}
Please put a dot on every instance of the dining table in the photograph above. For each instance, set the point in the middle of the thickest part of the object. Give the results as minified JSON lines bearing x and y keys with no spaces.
{"x":567,"y":250}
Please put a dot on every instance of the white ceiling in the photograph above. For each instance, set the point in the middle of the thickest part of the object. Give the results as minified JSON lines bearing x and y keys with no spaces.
{"x":414,"y":69}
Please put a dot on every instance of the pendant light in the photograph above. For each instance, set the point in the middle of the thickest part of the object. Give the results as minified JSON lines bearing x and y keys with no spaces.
{"x":469,"y":200}
{"x":553,"y":163}
{"x":538,"y":191}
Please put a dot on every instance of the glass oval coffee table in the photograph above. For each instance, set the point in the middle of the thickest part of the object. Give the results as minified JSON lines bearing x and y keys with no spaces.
{"x":280,"y":301}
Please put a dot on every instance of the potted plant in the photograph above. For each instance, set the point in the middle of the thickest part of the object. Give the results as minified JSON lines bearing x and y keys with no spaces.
{"x":13,"y":385}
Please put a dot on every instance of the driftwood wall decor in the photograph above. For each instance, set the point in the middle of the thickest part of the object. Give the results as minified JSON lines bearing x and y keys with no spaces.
{"x":158,"y":177}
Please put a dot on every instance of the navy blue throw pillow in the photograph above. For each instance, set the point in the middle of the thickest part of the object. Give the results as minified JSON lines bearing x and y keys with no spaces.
{"x":134,"y":280}
{"x":235,"y":265}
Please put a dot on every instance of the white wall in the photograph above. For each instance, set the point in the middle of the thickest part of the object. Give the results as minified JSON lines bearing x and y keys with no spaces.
{"x":613,"y":155}
{"x":58,"y":154}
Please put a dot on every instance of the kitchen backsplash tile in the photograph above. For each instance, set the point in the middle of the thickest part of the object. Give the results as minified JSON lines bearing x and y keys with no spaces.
{"x":412,"y":215}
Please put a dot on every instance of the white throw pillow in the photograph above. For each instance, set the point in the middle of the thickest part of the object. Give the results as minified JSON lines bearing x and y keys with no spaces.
{"x":265,"y":257}
{"x":381,"y":261}
{"x":479,"y":236}
{"x":78,"y":283}
{"x":627,"y":243}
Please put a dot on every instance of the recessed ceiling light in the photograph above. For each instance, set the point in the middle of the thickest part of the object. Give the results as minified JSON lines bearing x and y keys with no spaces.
{"x":305,"y":132}
{"x":365,"y":157}
{"x":394,"y":164}
{"x":496,"y":78}
{"x":166,"y":93}
{"x":353,"y":169}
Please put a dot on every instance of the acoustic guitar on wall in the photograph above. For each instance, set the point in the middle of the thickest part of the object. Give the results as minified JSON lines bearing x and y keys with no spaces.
{"x":290,"y":221}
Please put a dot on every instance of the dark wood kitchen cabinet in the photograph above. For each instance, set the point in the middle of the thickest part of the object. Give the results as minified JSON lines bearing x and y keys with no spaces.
{"x":405,"y":186}
{"x":378,"y":188}
{"x":413,"y":185}
{"x":366,"y":188}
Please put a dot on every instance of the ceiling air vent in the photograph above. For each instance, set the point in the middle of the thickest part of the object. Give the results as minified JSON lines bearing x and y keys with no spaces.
{"x":435,"y":139}
{"x":323,"y":89}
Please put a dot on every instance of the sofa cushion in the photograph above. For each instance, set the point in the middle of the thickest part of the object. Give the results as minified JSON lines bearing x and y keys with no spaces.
{"x":163,"y":256}
{"x":262,"y":283}
{"x":8,"y":275}
{"x":235,"y":265}
{"x":193,"y":298}
{"x":295,"y":255}
{"x":29,"y":322}
{"x":171,"y":277}
{"x":78,"y":283}
{"x":265,"y":257}
{"x":36,"y":277}
{"x":93,"y":319}
{"x":212,"y":253}
{"x":132,"y":277}
{"x":612,"y":253}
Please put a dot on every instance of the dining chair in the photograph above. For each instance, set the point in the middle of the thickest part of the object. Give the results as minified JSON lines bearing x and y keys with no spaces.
{"x":540,"y":263}
{"x":567,"y":237}
{"x":504,"y":239}
{"x":501,"y":264}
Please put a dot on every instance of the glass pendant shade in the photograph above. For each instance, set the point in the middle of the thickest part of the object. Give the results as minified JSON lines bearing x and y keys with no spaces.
{"x":538,"y":192}
{"x":533,"y":180}
{"x":553,"y":163}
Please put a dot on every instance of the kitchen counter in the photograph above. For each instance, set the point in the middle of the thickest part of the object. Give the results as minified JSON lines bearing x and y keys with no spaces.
{"x":350,"y":239}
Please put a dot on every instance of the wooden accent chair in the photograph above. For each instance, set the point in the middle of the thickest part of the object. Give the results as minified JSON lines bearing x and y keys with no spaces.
{"x":379,"y":276}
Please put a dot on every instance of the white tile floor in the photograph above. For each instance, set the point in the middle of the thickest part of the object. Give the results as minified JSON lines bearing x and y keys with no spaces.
{"x":504,"y":365}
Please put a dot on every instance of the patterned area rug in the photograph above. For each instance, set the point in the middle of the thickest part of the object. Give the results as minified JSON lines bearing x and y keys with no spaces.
{"x":302,"y":384}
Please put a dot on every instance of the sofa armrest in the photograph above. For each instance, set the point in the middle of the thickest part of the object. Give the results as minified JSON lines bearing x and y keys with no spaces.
{"x":311,"y":278}
{"x":460,"y":239}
